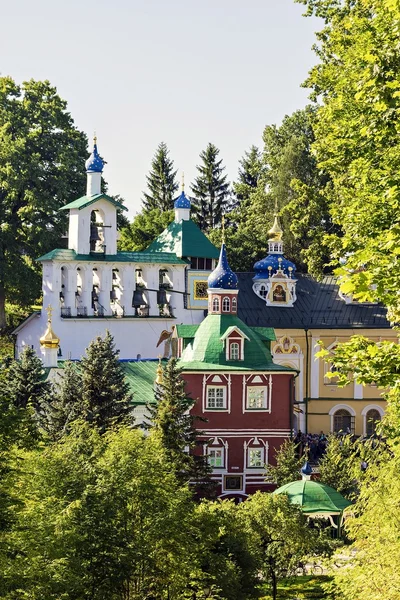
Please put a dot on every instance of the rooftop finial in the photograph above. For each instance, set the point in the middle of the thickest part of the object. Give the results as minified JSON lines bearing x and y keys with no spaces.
{"x":49,"y":339}
{"x":183,"y":181}
{"x":160,"y":374}
{"x":94,"y":139}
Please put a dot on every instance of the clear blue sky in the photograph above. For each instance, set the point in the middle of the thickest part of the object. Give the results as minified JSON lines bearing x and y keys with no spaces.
{"x":183,"y":71}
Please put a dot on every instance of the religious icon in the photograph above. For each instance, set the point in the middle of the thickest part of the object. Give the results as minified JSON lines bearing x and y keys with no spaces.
{"x":279,"y":294}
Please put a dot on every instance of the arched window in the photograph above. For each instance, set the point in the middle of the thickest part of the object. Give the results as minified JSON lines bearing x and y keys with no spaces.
{"x":226,"y":304}
{"x":234,"y":305}
{"x":372,"y":418}
{"x":215,"y":305}
{"x":343,"y":422}
{"x":234,"y":349}
{"x":263,"y":291}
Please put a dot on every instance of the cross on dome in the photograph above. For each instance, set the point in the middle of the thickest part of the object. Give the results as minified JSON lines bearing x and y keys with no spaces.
{"x":223,"y":277}
{"x":94,"y":164}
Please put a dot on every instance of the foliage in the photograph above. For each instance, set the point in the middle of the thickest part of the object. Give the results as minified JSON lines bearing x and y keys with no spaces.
{"x":210,"y":189}
{"x":144,"y":229}
{"x":305,"y":587}
{"x":161,"y":181}
{"x":42,"y":157}
{"x":288,"y":464}
{"x":25,"y":384}
{"x":105,"y":392}
{"x":279,"y":533}
{"x":251,"y":171}
{"x":358,"y":82}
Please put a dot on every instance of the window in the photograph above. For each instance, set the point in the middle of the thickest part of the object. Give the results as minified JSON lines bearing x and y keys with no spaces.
{"x":234,"y":305}
{"x":257,"y":397}
{"x":226,"y":304}
{"x":343,"y":422}
{"x":263,"y":291}
{"x":372,"y":417}
{"x":233,"y":483}
{"x":216,"y":397}
{"x":255,"y":458}
{"x":216,"y":457}
{"x":234,"y":350}
{"x":215,"y":305}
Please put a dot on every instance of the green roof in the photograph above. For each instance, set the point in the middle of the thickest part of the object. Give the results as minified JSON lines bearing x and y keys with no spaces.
{"x":265,"y":333}
{"x":88,"y":200}
{"x":140,"y":376}
{"x":314,"y":497}
{"x":207,"y":351}
{"x":184,"y":239}
{"x":186,"y":331}
{"x":138,"y":257}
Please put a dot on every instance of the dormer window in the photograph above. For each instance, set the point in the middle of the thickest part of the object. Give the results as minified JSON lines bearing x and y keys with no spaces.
{"x":234,"y":351}
{"x":215,"y":305}
{"x":226,"y":304}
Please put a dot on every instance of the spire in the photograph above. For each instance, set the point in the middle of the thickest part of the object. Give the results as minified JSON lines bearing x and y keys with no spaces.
{"x":223,"y":277}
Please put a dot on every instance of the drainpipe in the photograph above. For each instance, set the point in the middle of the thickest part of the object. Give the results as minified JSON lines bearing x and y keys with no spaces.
{"x":307,"y":377}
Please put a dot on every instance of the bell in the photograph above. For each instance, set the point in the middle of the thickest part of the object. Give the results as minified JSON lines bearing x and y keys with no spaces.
{"x":113,"y":295}
{"x":161,"y":297}
{"x":94,"y":234}
{"x":139,"y":299}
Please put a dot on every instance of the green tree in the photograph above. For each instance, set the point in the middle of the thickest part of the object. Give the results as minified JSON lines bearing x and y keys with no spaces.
{"x":288,"y":464}
{"x":105,"y":392}
{"x":211,"y":189}
{"x":144,"y":229}
{"x":251,"y":171}
{"x":175,"y":426}
{"x":42,"y":158}
{"x":25,"y":384}
{"x":161,"y":181}
{"x":279,"y":533}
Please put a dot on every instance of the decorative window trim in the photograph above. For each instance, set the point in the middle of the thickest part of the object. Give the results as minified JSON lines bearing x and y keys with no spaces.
{"x":365,"y":412}
{"x":234,"y":304}
{"x":251,"y":450}
{"x":226,"y":304}
{"x":225,"y":382}
{"x":214,"y":449}
{"x":224,"y":391}
{"x":349,"y":409}
{"x":234,"y":346}
{"x":247,"y":382}
{"x":215,"y":305}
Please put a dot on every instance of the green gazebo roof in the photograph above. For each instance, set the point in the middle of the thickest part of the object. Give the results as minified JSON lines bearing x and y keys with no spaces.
{"x":314,"y":497}
{"x":184,"y":239}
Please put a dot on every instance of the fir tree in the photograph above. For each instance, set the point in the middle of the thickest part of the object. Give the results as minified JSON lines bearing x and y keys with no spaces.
{"x":250,"y":172}
{"x":105,"y":391}
{"x":24,"y":383}
{"x":175,"y":427}
{"x":211,"y":189}
{"x":65,"y":404}
{"x":161,"y":181}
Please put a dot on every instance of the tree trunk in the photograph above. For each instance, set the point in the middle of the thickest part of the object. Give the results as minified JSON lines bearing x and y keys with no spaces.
{"x":2,"y":307}
{"x":274,"y":587}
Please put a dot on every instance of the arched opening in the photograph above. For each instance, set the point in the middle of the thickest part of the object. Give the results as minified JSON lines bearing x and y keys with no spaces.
{"x":373,"y":417}
{"x":226,"y":304}
{"x":97,"y":243}
{"x":343,"y":421}
{"x":234,"y":305}
{"x":215,"y":305}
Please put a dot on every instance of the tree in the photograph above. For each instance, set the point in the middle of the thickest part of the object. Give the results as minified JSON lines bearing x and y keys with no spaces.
{"x":174,"y":424}
{"x":105,"y":392}
{"x":65,"y":404}
{"x":358,"y":83}
{"x":251,"y":171}
{"x":25,"y":384}
{"x":161,"y":181}
{"x":279,"y":533}
{"x":288,"y":464}
{"x":210,"y":189}
{"x":42,"y":158}
{"x":144,"y":229}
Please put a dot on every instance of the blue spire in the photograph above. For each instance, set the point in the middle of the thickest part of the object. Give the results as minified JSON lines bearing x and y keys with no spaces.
{"x":223,"y":277}
{"x":182,"y":201}
{"x":94,"y":164}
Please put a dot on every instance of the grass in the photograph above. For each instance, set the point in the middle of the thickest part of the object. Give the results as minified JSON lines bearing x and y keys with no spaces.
{"x":302,"y":588}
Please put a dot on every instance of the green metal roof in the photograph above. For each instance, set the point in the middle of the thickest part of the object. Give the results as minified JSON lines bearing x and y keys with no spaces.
{"x":314,"y":497}
{"x":88,"y":200}
{"x":184,"y":239}
{"x":140,"y":376}
{"x":137,"y":257}
{"x":186,"y":331}
{"x":207,"y":351}
{"x":265,"y":333}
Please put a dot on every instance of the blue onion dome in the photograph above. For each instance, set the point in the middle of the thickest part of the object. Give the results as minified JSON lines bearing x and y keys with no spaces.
{"x":269,"y":265}
{"x":182,"y":201}
{"x":94,"y":164}
{"x":223,"y":277}
{"x":306,"y":469}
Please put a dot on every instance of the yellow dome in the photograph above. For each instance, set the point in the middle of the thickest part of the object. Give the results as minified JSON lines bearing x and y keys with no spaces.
{"x":275,"y":233}
{"x":160,"y":373}
{"x":49,"y":339}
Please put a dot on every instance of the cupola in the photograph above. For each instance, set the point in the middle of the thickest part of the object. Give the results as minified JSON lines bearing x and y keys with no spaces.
{"x":49,"y":342}
{"x":182,"y":205}
{"x":94,"y":168}
{"x":222,"y":287}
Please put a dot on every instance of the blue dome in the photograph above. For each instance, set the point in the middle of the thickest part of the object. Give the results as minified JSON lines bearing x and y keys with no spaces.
{"x":306,"y":469}
{"x":223,"y":277}
{"x":182,"y":201}
{"x":273,"y":261}
{"x":94,"y":164}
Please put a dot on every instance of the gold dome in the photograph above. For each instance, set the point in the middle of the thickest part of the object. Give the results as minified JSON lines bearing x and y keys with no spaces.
{"x":160,"y":373}
{"x":275,"y":233}
{"x":49,"y":339}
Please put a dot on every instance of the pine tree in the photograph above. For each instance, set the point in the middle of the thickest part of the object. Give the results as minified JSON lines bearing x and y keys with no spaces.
{"x":175,"y":426}
{"x":66,"y":403}
{"x":211,"y":189}
{"x":105,"y":391}
{"x":250,"y":172}
{"x":161,"y":181}
{"x":25,"y":383}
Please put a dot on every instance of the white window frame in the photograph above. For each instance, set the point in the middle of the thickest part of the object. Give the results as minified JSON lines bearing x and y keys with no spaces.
{"x":234,"y":304}
{"x":266,"y":398}
{"x":365,"y":412}
{"x":226,"y":302}
{"x":215,"y":387}
{"x":213,"y":449}
{"x":215,"y":305}
{"x":262,"y":459}
{"x":235,"y":345}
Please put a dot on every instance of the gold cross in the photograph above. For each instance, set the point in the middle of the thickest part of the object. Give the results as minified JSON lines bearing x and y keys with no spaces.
{"x":94,"y":138}
{"x":49,"y":311}
{"x":183,"y":181}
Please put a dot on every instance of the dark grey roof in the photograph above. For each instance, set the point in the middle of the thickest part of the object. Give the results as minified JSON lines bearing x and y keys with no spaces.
{"x":318,"y":305}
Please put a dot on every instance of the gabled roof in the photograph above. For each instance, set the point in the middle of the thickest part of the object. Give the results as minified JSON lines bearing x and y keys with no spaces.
{"x":318,"y":306}
{"x":66,"y":255}
{"x":230,"y":330}
{"x":184,"y":239}
{"x":207,"y":353}
{"x":186,"y":331}
{"x":87,"y":200}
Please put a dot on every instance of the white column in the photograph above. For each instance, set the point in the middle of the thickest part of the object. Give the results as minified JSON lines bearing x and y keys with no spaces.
{"x":70,"y":288}
{"x":87,"y":286}
{"x":315,"y":367}
{"x":128,"y":287}
{"x":151,"y":278}
{"x":105,"y":288}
